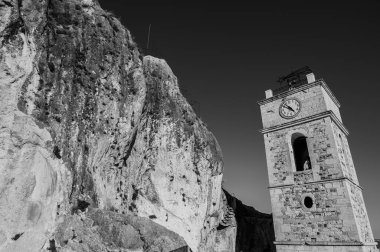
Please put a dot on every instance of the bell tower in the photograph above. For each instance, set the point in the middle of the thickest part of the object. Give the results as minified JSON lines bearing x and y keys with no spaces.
{"x":316,"y":198}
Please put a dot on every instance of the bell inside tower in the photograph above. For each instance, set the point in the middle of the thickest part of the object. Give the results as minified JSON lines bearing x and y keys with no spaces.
{"x":301,"y":152}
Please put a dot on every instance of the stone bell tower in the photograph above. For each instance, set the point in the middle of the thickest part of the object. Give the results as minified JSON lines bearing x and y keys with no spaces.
{"x":316,"y":198}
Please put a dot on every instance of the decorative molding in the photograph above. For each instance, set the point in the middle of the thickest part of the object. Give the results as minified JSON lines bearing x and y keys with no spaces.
{"x":319,"y":181}
{"x":321,"y":243}
{"x":319,"y":82}
{"x":306,"y":120}
{"x":289,"y":243}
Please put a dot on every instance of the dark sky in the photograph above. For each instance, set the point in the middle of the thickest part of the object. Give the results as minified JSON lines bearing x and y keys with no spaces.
{"x":227,"y":55}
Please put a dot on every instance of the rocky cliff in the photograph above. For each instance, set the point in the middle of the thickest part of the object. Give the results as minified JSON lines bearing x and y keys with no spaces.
{"x":99,"y":151}
{"x":255,"y":231}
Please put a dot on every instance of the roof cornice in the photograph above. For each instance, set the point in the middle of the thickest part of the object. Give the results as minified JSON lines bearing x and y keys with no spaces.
{"x":325,"y":114}
{"x":303,"y":87}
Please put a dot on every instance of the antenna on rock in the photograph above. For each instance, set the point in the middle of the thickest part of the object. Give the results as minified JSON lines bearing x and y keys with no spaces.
{"x":147,"y":44}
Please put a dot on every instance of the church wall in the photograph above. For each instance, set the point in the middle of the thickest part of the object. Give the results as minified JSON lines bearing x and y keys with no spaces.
{"x":344,"y":154}
{"x":360,"y":213}
{"x":278,"y":159}
{"x":314,"y":100}
{"x":323,"y":154}
{"x":311,"y":100}
{"x":330,"y":219}
{"x":330,"y":104}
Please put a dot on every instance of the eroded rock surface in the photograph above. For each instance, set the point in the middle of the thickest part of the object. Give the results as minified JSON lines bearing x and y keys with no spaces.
{"x":255,"y":231}
{"x":99,"y":230}
{"x":96,"y":138}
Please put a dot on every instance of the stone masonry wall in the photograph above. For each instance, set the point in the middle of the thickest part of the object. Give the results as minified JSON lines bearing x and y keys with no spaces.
{"x":330,"y":104}
{"x":332,"y":218}
{"x":360,"y":212}
{"x":314,"y":100}
{"x":344,"y":154}
{"x":278,"y":159}
{"x":321,"y":145}
{"x":329,"y":220}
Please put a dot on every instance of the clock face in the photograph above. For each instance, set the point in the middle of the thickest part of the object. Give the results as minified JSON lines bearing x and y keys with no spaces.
{"x":290,"y":108}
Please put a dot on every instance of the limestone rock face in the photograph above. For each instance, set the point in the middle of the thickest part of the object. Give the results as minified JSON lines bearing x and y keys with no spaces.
{"x":100,"y":230}
{"x":226,"y":231}
{"x":99,"y":150}
{"x":255,"y":231}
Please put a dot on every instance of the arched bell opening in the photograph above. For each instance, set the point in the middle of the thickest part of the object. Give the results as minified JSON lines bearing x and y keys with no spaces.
{"x":301,"y":152}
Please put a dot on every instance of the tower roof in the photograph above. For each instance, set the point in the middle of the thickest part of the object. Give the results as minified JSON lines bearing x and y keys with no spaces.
{"x":292,"y":80}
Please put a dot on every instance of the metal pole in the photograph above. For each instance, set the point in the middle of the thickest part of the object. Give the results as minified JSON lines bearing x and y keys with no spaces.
{"x":147,"y":44}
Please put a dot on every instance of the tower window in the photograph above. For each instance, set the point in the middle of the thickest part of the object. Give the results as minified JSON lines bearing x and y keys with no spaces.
{"x":301,"y":153}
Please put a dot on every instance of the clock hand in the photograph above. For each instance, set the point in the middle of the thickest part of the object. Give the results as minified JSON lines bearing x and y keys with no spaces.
{"x":288,"y":107}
